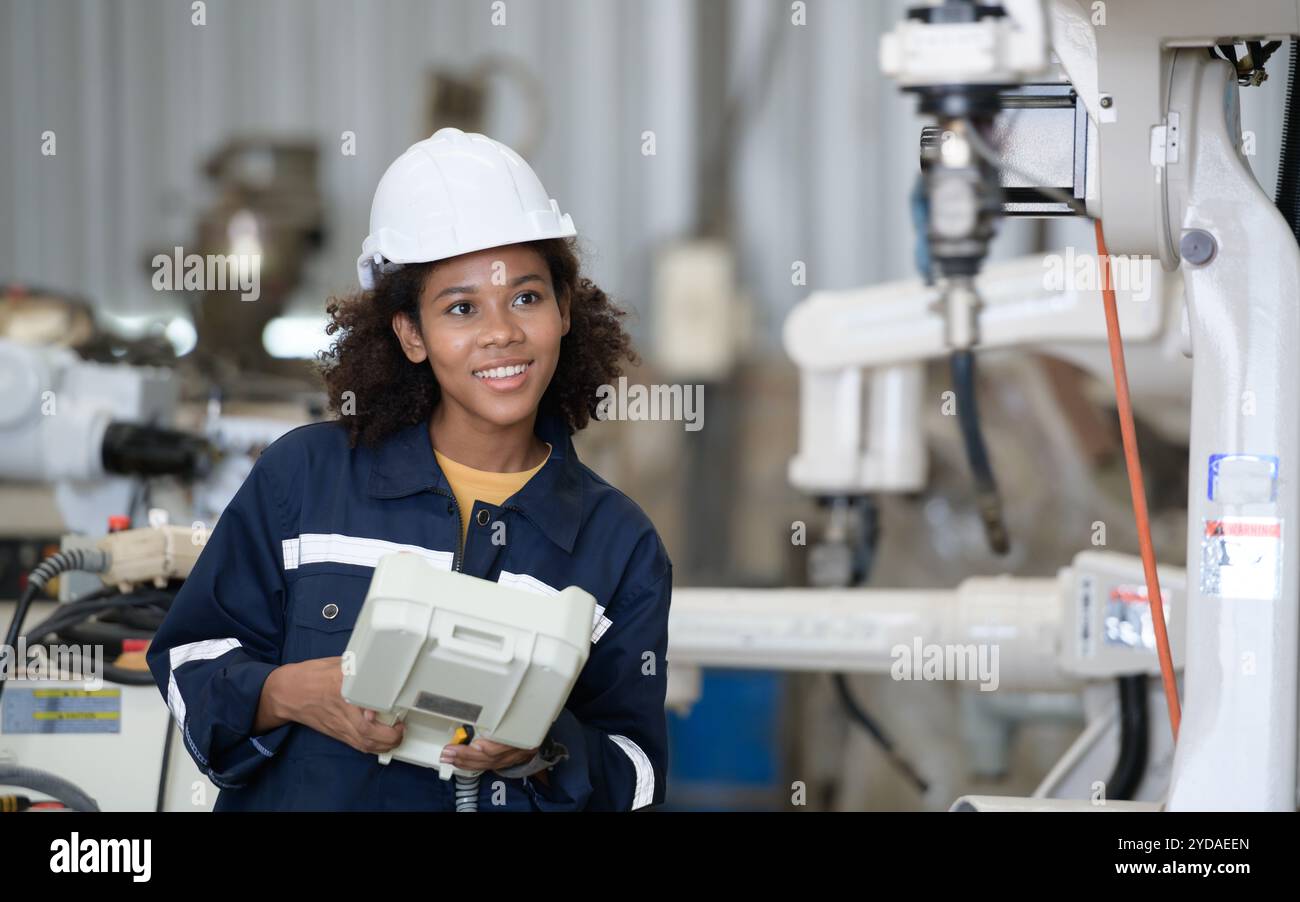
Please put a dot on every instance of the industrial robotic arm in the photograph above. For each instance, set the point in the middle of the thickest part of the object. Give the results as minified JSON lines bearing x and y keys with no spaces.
{"x":87,"y":428}
{"x":1156,"y":155}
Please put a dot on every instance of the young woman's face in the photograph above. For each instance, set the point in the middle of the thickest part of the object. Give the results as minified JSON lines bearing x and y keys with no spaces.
{"x":490,"y":326}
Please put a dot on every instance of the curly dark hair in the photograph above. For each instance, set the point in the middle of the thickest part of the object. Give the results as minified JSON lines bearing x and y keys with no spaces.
{"x":389,"y":392}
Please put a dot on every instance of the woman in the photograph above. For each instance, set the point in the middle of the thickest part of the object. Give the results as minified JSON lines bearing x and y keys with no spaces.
{"x":458,"y":374}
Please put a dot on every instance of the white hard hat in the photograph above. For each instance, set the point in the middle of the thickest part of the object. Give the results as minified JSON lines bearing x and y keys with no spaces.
{"x":451,"y":194}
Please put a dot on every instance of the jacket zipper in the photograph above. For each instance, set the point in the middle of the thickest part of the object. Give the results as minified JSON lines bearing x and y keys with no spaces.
{"x":460,"y":531}
{"x":460,"y":526}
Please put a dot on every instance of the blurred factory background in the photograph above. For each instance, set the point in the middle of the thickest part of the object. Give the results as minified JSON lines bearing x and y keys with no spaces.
{"x":776,"y":149}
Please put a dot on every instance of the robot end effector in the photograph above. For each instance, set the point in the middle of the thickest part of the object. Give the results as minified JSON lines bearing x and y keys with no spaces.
{"x":64,"y":419}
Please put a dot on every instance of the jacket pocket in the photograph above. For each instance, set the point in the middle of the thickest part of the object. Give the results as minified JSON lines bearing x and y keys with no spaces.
{"x":323,"y":609}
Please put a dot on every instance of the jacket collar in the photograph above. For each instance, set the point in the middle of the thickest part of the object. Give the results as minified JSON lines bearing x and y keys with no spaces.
{"x":405,"y":464}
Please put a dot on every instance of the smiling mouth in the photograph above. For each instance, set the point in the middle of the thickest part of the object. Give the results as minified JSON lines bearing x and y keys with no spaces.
{"x":503,"y":372}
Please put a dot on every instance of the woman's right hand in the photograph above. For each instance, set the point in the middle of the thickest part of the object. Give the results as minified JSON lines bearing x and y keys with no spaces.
{"x":311,"y":693}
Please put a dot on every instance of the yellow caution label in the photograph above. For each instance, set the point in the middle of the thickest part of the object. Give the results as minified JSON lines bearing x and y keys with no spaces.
{"x":50,"y":709}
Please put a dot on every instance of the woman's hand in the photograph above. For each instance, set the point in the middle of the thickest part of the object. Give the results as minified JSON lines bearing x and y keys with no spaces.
{"x":484,"y":754}
{"x":311,"y":693}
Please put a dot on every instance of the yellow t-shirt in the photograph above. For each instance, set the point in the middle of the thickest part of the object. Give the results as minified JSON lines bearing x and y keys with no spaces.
{"x":470,"y":485}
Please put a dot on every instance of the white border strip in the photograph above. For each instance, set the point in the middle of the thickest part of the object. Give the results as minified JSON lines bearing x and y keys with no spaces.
{"x":526,"y":582}
{"x":332,"y":548}
{"x":203,"y":650}
{"x":645,"y":774}
{"x":599,"y":622}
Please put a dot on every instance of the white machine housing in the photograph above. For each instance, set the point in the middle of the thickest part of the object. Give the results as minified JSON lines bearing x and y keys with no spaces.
{"x":54,"y":411}
{"x":1107,"y":630}
{"x":1170,"y":168}
{"x":437,"y":650}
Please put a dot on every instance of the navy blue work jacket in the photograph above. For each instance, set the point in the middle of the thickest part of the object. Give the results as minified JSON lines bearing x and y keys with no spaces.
{"x":303,"y":535}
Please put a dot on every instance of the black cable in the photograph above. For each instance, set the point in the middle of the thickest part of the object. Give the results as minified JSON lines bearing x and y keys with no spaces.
{"x":11,"y":638}
{"x":46,"y":570}
{"x":74,"y":613}
{"x":1259,"y":55}
{"x":89,"y":559}
{"x":95,"y":595}
{"x":1288,"y":173}
{"x":1230,"y":54}
{"x":71,"y":614}
{"x":864,"y":550}
{"x":112,"y":636}
{"x":166,"y":765}
{"x":864,"y":560}
{"x":859,"y":714}
{"x":986,"y":486}
{"x":146,"y":618}
{"x":1131,"y":765}
{"x":77,"y":611}
{"x":134,"y":622}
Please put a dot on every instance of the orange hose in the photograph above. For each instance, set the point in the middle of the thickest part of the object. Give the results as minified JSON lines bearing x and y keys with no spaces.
{"x":1136,"y":487}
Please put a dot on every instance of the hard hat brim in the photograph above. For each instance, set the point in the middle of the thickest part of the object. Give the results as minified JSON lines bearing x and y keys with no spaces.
{"x":367,"y":267}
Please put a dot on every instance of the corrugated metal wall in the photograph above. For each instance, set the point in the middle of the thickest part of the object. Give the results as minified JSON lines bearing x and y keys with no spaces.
{"x":138,"y":97}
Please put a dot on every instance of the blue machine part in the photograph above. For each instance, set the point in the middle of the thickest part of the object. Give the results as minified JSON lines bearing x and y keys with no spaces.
{"x":728,"y":753}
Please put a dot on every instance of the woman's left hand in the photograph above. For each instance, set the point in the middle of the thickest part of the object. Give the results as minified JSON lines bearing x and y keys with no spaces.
{"x":484,"y":754}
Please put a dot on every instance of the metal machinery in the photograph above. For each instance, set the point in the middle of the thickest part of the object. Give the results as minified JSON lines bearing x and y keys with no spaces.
{"x":1171,"y":182}
{"x":81,"y":721}
{"x":115,"y":439}
{"x":100,"y":434}
{"x":1134,"y":121}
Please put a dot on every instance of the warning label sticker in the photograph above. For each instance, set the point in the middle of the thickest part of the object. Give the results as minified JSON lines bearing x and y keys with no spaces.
{"x":1129,"y":623}
{"x":1241,"y":557}
{"x":60,"y":710}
